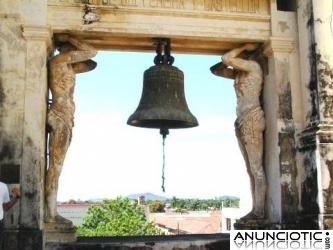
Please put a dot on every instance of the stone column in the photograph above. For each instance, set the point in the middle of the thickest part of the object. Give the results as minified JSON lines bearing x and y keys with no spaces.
{"x":38,"y":43}
{"x":23,"y":93}
{"x":12,"y":68}
{"x":280,"y":146}
{"x":316,"y":140}
{"x":284,"y":117}
{"x":323,"y":37}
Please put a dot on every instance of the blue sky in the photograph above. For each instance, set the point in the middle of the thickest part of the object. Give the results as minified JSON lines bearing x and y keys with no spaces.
{"x":108,"y":158}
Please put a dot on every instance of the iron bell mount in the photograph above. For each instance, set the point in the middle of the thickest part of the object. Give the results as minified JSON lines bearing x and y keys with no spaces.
{"x":163,"y":104}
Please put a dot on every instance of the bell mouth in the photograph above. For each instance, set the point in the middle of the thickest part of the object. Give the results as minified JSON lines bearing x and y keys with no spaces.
{"x":154,"y":123}
{"x":162,"y":118}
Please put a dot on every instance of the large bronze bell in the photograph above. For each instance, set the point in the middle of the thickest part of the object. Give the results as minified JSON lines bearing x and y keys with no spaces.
{"x":163,"y":104}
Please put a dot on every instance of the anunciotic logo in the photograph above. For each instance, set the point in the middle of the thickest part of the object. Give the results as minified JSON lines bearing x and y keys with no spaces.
{"x":280,"y":239}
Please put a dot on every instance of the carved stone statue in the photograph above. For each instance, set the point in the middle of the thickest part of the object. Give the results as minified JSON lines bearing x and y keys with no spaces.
{"x":74,"y":57}
{"x":250,"y":122}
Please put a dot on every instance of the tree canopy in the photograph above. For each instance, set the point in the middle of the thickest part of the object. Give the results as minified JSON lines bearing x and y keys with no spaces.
{"x":156,"y":206}
{"x":199,"y":204}
{"x":116,"y":217}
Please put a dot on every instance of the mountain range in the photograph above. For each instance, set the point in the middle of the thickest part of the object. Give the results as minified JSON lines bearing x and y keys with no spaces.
{"x":150,"y":196}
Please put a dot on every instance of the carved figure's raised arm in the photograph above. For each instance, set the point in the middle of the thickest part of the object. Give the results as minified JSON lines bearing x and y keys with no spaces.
{"x":80,"y":45}
{"x":81,"y":55}
{"x":83,"y":50}
{"x":63,"y":38}
{"x":231,"y":58}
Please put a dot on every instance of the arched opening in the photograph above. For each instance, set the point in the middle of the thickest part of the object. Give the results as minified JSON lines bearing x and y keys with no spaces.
{"x":107,"y":158}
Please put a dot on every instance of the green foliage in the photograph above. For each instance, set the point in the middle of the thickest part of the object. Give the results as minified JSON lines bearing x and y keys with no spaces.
{"x":116,"y":217}
{"x":156,"y":206}
{"x":197,"y":204}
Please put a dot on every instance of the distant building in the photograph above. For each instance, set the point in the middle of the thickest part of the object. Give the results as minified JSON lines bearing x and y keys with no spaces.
{"x":74,"y":211}
{"x":142,"y":200}
{"x":192,"y":222}
{"x":229,"y":217}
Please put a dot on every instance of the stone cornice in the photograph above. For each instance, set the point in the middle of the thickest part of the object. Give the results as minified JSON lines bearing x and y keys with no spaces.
{"x":200,"y":27}
{"x":249,"y":17}
{"x":279,"y":45}
{"x":229,"y":6}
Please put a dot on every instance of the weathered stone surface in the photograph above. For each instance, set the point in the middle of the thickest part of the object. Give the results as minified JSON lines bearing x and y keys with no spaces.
{"x":280,"y":153}
{"x":59,"y":232}
{"x":316,"y":140}
{"x":213,"y":26}
{"x":34,"y":107}
{"x":256,"y":224}
{"x":25,"y":239}
{"x":288,"y":175}
{"x":179,"y":242}
{"x":325,"y":78}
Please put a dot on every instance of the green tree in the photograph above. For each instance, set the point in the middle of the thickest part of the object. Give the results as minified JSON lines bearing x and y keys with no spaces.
{"x":116,"y":217}
{"x":197,"y":204}
{"x":174,"y":202}
{"x":156,"y":206}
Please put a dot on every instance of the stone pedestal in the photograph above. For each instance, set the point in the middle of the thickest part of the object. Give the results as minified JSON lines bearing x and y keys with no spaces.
{"x":252,"y":224}
{"x":23,"y":239}
{"x":59,"y":232}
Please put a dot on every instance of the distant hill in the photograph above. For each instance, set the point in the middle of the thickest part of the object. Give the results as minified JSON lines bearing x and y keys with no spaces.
{"x":148,"y":197}
{"x":228,"y":197}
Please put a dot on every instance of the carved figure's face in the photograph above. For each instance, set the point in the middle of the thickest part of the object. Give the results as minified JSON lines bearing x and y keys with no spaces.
{"x":248,"y":55}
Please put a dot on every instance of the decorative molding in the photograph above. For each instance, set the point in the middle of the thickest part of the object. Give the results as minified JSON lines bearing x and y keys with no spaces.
{"x":279,"y":45}
{"x":309,"y":137}
{"x":209,"y":9}
{"x":229,"y":6}
{"x":37,"y":33}
{"x":239,"y":16}
{"x":325,"y":133}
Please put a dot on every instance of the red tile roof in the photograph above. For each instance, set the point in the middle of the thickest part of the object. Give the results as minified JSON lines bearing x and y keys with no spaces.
{"x":201,"y":222}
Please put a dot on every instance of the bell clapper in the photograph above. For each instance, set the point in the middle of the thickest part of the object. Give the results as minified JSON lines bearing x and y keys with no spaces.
{"x":164,"y":132}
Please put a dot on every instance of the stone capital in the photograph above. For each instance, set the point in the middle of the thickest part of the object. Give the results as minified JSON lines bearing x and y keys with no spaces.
{"x":325,"y":133}
{"x":318,"y":133}
{"x":37,"y":33}
{"x":279,"y":45}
